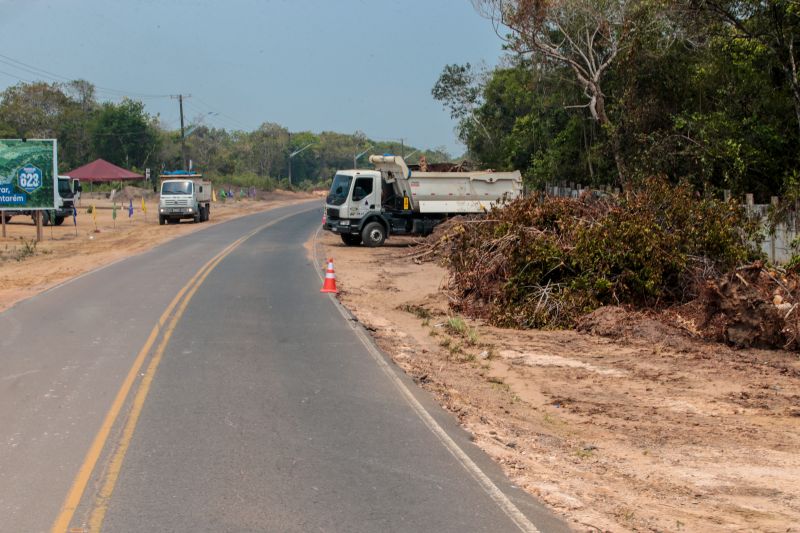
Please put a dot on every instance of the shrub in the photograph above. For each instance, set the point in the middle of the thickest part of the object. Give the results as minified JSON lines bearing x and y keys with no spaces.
{"x":542,"y":262}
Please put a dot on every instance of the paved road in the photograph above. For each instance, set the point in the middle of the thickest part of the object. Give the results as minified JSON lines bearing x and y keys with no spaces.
{"x":267,"y":410}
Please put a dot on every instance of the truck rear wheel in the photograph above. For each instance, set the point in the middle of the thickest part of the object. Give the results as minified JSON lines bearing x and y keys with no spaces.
{"x":351,"y":240}
{"x":373,"y":234}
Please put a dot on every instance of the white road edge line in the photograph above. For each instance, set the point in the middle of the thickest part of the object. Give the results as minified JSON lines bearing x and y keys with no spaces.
{"x":499,"y":497}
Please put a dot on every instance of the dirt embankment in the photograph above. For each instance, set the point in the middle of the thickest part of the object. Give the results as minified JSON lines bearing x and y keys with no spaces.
{"x":644,"y":429}
{"x":27,"y":267}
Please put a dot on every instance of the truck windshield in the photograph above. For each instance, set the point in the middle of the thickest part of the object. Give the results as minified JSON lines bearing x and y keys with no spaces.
{"x":340,"y":189}
{"x":63,"y":188}
{"x":176,"y":187}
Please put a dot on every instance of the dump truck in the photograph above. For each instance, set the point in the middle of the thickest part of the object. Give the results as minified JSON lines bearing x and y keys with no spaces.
{"x":184,"y":195}
{"x":368,"y":206}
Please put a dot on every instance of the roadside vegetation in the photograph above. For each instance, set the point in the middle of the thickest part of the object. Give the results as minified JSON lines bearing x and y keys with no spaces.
{"x":671,"y":102}
{"x":126,"y":135}
{"x":545,"y":263}
{"x":616,"y":91}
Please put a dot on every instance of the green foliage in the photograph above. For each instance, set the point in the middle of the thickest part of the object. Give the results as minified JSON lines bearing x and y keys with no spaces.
{"x":458,"y":90}
{"x":544,"y":263}
{"x":705,"y":91}
{"x":126,"y":135}
{"x":123,"y":134}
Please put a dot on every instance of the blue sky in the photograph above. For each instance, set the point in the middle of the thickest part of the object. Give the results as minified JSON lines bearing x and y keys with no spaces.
{"x":336,"y":65}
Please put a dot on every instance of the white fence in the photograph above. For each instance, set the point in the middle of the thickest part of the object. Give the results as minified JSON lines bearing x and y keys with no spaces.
{"x":776,"y":245}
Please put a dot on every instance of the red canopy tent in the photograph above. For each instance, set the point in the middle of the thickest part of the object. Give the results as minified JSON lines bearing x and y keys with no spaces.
{"x":102,"y":170}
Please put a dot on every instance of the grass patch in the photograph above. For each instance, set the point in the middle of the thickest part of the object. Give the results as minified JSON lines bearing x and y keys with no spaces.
{"x":416,"y":310}
{"x":456,"y":325}
{"x":27,"y":249}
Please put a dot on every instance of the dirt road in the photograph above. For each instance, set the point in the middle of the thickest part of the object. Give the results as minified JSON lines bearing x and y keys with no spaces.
{"x":68,"y":251}
{"x":652,"y":431}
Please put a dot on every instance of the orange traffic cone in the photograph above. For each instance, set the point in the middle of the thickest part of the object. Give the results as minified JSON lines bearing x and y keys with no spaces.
{"x":330,"y":279}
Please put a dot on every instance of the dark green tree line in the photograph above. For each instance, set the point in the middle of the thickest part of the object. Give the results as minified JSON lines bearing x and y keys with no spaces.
{"x":125,"y":134}
{"x":614,"y":91}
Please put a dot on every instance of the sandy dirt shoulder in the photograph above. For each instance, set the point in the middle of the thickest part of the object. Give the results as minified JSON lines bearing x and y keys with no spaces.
{"x":28,"y":268}
{"x":653,"y":431}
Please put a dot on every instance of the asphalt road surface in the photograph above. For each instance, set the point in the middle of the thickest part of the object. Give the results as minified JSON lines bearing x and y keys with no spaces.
{"x":207,"y":385}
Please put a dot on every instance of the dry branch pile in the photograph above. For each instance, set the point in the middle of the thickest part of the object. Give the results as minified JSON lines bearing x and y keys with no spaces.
{"x":544,"y":263}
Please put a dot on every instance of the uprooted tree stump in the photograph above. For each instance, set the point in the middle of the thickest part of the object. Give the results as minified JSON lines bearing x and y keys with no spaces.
{"x":757,"y":309}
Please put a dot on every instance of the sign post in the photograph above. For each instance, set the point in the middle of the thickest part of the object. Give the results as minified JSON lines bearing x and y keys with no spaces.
{"x":39,"y":236}
{"x":28,"y":174}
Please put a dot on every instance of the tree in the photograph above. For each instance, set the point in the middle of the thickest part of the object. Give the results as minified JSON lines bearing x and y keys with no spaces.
{"x":58,"y":111}
{"x":124,"y":134}
{"x":585,"y":36}
{"x":33,"y":110}
{"x":458,"y":89}
{"x":775,"y":24}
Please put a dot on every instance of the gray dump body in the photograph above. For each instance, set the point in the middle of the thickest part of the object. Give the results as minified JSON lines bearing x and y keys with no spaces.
{"x":448,"y":192}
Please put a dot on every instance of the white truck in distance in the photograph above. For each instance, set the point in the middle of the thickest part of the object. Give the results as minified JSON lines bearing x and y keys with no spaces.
{"x":367,"y":206}
{"x":184,"y":195}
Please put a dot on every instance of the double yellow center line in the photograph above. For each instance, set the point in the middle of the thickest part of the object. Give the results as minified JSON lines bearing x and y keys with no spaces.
{"x":170,"y":319}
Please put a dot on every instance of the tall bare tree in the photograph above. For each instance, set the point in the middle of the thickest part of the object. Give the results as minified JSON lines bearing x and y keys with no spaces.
{"x":585,"y":36}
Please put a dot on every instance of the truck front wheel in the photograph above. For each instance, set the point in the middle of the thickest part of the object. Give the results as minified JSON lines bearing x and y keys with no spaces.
{"x":351,"y":240}
{"x":373,"y":234}
{"x":58,"y":221}
{"x":162,"y":219}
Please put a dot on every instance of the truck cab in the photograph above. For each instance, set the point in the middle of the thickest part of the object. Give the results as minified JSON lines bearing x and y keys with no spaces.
{"x":356,"y":200}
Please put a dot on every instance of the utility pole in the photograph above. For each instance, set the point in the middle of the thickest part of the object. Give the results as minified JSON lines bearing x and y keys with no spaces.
{"x":289,"y":145}
{"x":180,"y":98}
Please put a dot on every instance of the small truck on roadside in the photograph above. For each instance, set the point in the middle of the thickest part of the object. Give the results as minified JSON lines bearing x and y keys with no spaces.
{"x":367,"y":206}
{"x":184,"y":195}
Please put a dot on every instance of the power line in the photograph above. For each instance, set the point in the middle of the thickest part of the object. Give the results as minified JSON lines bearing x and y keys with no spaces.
{"x":36,"y":71}
{"x":213,"y":115}
{"x":15,"y":77}
{"x":211,"y":108}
